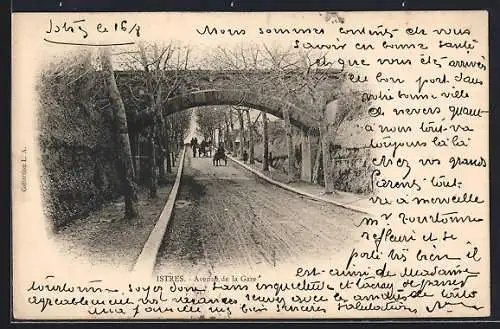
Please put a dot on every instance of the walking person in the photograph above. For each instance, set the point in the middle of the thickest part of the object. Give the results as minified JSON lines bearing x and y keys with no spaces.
{"x":194,"y":143}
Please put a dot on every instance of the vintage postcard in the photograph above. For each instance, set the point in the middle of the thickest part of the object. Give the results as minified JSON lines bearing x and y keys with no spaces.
{"x":258,"y":165}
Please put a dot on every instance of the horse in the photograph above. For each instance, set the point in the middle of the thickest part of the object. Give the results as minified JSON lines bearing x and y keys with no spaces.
{"x":218,"y":156}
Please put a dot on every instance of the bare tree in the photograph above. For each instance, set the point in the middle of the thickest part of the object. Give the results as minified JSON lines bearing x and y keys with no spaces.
{"x":231,"y":124}
{"x":154,"y":91}
{"x":242,"y":134}
{"x":293,"y":76}
{"x":250,"y":128}
{"x":209,"y":120}
{"x":289,"y":145}
{"x":325,"y":148}
{"x":272,"y":65}
{"x":164,"y":71}
{"x":265,"y":133}
{"x":284,"y":65}
{"x":124,"y":157}
{"x":228,"y":140}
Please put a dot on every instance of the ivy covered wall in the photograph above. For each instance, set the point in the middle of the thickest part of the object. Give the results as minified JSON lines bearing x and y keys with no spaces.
{"x":76,"y":140}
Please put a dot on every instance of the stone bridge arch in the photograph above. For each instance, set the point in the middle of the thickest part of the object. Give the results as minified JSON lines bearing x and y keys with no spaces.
{"x":299,"y":117}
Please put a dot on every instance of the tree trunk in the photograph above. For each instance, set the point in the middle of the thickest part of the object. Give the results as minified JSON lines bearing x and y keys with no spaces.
{"x":329,"y":187}
{"x":220,"y":135}
{"x":168,"y":148}
{"x":251,"y":156}
{"x":169,"y":159}
{"x":162,"y":174}
{"x":317,"y":163}
{"x":134,"y":150}
{"x":289,"y":143}
{"x":227,"y":137}
{"x":242,"y":135}
{"x":152,"y":165}
{"x":233,"y":138}
{"x":173,"y":141}
{"x":175,"y":147}
{"x":162,"y":178}
{"x":124,"y":157}
{"x":155,"y":103}
{"x":265,"y":133}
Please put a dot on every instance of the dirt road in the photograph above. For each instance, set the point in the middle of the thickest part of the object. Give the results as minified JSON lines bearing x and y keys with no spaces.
{"x":226,"y":216}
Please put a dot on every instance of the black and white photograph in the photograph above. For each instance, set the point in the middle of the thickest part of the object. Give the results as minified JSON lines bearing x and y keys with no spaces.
{"x":250,"y":165}
{"x":116,"y":127}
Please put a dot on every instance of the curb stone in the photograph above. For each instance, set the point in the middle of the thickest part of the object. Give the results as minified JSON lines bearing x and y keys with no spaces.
{"x":145,"y":263}
{"x":292,"y":189}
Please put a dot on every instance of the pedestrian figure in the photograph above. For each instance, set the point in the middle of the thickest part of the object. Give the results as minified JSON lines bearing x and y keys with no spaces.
{"x":209,"y":147}
{"x":202,"y":150}
{"x":245,"y":156}
{"x":194,"y":143}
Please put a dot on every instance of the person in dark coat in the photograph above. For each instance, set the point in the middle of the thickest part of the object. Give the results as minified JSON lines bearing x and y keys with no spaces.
{"x":220,"y":149}
{"x":194,"y":143}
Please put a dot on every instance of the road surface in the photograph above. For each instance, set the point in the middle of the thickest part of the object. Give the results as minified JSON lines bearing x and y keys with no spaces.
{"x":228,"y":217}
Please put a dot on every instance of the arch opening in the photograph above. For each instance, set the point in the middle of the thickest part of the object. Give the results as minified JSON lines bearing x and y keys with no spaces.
{"x":298,"y":117}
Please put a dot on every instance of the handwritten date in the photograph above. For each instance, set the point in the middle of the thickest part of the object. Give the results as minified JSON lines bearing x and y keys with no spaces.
{"x":83,"y":29}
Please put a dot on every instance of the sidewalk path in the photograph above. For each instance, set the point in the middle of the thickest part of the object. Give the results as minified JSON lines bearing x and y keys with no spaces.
{"x":105,"y":239}
{"x":348,"y":200}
